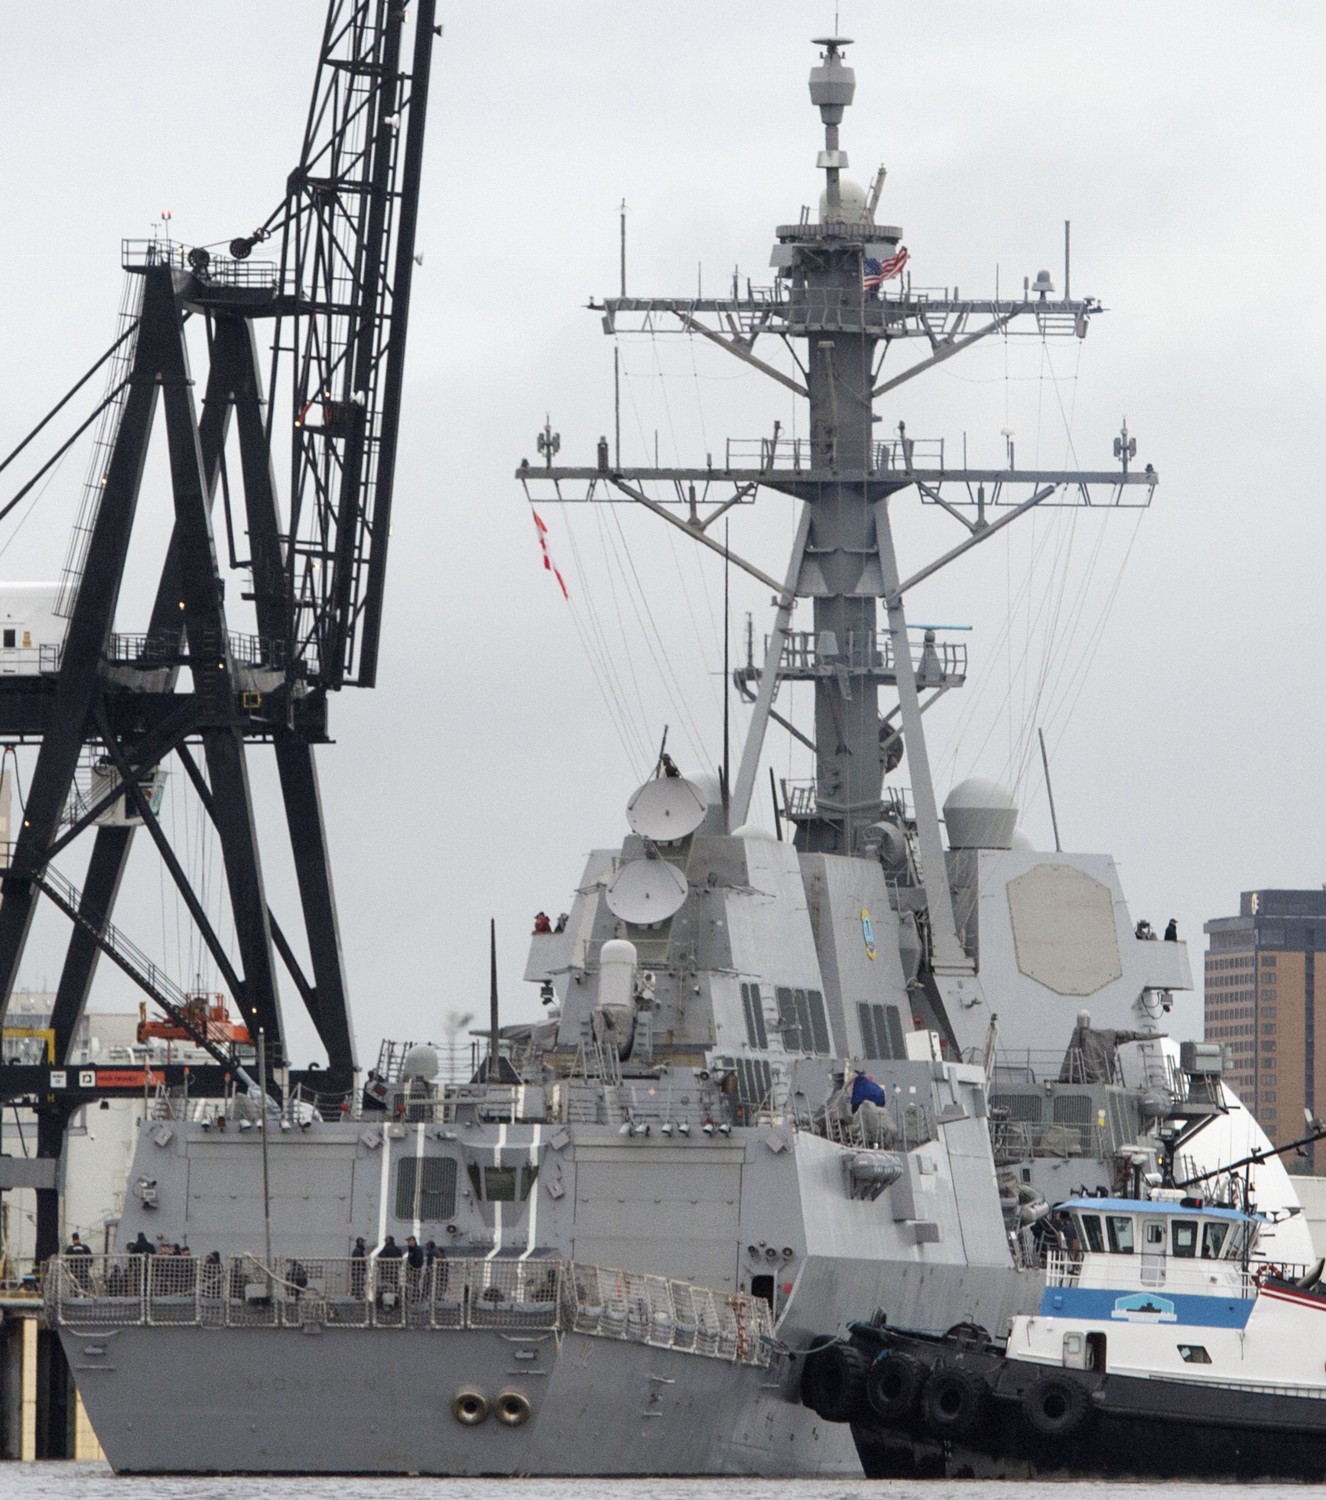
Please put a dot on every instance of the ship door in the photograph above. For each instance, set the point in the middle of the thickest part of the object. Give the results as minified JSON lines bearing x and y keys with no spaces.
{"x":1153,"y":1252}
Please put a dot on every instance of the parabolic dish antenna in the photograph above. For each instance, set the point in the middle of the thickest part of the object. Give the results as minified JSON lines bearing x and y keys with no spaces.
{"x":666,"y":809}
{"x":646,"y":891}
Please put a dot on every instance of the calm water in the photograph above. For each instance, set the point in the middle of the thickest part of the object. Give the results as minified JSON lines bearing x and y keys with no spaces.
{"x":96,"y":1482}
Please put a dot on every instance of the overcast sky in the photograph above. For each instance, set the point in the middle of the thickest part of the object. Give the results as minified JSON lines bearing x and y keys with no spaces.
{"x":1174,"y":656}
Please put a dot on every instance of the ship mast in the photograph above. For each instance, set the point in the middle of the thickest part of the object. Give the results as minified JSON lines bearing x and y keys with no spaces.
{"x":843,"y":557}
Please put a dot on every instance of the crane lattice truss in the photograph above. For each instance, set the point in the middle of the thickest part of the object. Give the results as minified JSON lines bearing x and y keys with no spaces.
{"x":334,"y":313}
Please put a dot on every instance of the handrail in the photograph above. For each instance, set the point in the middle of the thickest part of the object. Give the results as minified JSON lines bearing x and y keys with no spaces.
{"x":95,"y":1292}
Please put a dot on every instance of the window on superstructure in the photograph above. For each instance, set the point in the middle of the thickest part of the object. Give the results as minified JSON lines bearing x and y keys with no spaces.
{"x":753,"y":1007}
{"x":1214,"y":1235}
{"x":1119,"y":1228}
{"x":502,"y":1184}
{"x":754,"y":1088}
{"x":1091,"y":1233}
{"x":499,"y":1184}
{"x":426,"y":1188}
{"x":1194,"y":1354}
{"x":881,"y":1031}
{"x":802,"y":1021}
{"x":1184,"y":1232}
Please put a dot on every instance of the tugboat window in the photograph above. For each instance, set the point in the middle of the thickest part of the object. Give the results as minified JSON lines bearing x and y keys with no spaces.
{"x":1185,"y":1238}
{"x":1120,"y":1229}
{"x":1155,"y":1237}
{"x":1091,"y":1232}
{"x":1213,"y":1240}
{"x":1194,"y":1354}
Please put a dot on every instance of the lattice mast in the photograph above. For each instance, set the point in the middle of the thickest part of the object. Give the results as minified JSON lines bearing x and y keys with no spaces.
{"x":831,"y":300}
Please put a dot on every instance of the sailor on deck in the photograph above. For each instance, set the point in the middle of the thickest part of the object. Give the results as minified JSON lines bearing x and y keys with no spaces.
{"x":870,"y":1109}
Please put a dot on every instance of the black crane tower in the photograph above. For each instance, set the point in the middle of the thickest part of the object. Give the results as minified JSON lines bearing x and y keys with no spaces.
{"x":332,"y":308}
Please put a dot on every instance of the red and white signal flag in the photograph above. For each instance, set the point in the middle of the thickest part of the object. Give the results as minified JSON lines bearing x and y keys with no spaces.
{"x":547,"y":558}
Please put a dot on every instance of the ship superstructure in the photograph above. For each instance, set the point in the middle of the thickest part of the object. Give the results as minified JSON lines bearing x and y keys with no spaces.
{"x":634,"y":1219}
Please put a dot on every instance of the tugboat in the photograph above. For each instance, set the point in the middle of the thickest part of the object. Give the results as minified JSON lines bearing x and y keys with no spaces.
{"x":1162,"y":1348}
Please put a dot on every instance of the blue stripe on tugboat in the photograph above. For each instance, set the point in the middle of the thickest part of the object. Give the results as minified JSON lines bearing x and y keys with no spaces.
{"x":1104,"y":1304}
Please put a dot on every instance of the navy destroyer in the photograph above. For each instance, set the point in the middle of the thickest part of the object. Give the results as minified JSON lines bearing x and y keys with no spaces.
{"x":784,"y":1075}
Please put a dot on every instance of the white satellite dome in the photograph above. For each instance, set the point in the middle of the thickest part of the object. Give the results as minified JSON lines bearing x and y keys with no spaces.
{"x":852,"y":201}
{"x":754,"y":831}
{"x":419,"y":1062}
{"x":980,"y":814}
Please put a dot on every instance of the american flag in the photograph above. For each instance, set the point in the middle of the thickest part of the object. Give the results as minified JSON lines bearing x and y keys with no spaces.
{"x":876,"y":272}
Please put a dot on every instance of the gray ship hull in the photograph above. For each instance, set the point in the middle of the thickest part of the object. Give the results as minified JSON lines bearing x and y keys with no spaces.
{"x":283,"y":1400}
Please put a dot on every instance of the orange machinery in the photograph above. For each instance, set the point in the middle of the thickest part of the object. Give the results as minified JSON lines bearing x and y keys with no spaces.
{"x":205,"y":1013}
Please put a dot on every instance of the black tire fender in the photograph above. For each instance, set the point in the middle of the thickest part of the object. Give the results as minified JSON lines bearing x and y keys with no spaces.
{"x":952,"y":1402}
{"x":833,"y":1382}
{"x":1056,"y":1406}
{"x":893,"y":1386}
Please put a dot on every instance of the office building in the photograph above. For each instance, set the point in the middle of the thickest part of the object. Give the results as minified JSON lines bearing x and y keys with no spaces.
{"x":1261,"y":1002}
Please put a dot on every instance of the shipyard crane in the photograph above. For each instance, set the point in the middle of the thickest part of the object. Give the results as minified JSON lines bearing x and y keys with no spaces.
{"x":325,"y":279}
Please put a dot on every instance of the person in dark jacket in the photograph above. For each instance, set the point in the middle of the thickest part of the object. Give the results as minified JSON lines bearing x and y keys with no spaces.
{"x":1172,"y":931}
{"x":389,"y":1271}
{"x":414,"y":1267}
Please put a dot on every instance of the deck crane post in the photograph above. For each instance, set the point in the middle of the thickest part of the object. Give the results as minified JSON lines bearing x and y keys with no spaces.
{"x":334,"y":310}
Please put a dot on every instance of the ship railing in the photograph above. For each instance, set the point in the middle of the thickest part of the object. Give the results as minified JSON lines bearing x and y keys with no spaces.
{"x":913,"y":1125}
{"x":1199,"y":1277}
{"x":90,"y":1292}
{"x":1038,"y":1067}
{"x":1062,"y":1268}
{"x":668,"y":1313}
{"x":797,"y":454}
{"x":1016,"y":1140}
{"x":805,"y":652}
